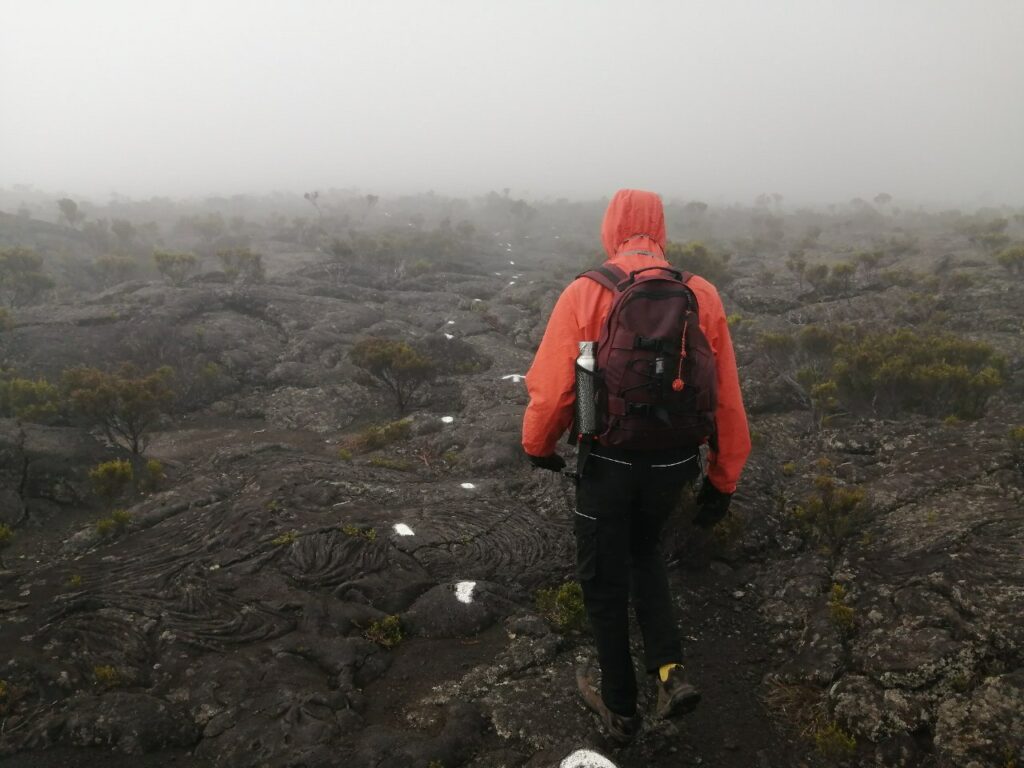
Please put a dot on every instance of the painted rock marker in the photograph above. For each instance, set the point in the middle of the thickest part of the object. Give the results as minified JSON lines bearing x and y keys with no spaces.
{"x":403,"y":530}
{"x":464,"y":591}
{"x":584,"y":758}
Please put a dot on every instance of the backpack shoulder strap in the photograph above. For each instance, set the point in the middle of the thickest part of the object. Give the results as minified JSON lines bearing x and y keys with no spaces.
{"x":607,"y":275}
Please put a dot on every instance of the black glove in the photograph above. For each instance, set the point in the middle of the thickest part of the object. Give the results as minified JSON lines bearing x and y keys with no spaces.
{"x":712,"y":505}
{"x":554,"y":462}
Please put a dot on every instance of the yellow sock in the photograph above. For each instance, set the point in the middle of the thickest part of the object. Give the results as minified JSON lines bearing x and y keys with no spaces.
{"x":665,"y":669}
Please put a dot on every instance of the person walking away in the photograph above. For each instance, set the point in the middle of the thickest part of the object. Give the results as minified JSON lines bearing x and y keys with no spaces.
{"x":660,"y":396}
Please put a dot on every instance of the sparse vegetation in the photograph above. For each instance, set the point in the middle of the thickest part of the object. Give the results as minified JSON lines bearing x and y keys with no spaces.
{"x":284,"y":539}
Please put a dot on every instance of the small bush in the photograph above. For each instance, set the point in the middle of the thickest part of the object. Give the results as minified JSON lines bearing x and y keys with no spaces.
{"x":839,"y":613}
{"x":106,"y":675}
{"x":831,"y":514}
{"x":284,"y":539}
{"x":373,"y":438}
{"x":563,"y":606}
{"x":386,"y":632}
{"x":345,"y":454}
{"x":6,"y":534}
{"x":1012,"y":259}
{"x":153,"y":476}
{"x":697,"y":258}
{"x":383,"y":462}
{"x":175,"y":267}
{"x":833,"y":743}
{"x":111,"y":478}
{"x":934,"y":373}
{"x":117,"y":522}
{"x":242,"y":263}
{"x":394,"y":366}
{"x":28,"y":400}
{"x":1016,"y":438}
{"x":370,"y":534}
{"x":75,"y":581}
{"x":789,"y":468}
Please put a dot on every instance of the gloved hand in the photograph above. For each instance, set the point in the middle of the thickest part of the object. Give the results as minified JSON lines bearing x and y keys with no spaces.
{"x":712,"y":505}
{"x":554,"y":462}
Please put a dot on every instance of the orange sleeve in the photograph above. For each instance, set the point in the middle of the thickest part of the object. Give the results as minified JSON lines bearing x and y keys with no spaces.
{"x":551,"y":378}
{"x":725,"y":464}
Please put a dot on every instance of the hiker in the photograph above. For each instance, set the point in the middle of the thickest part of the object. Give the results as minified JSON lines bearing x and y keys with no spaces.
{"x":630,"y":475}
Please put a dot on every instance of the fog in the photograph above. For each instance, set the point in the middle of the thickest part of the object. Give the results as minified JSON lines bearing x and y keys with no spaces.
{"x":723,"y":101}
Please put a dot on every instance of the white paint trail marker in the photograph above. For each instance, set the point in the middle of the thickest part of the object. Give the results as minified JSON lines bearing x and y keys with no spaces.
{"x":515,"y":378}
{"x":403,"y":530}
{"x":584,"y":758}
{"x":449,"y":336}
{"x":464,"y":592}
{"x":467,"y":486}
{"x":447,"y":419}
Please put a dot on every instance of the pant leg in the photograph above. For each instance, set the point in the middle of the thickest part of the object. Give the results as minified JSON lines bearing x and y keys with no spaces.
{"x":603,"y":500}
{"x":660,"y":490}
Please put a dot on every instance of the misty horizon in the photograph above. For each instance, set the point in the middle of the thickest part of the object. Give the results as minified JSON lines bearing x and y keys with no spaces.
{"x":722,"y":103}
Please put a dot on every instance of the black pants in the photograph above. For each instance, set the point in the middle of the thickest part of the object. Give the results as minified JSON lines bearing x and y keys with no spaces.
{"x":622,"y":503}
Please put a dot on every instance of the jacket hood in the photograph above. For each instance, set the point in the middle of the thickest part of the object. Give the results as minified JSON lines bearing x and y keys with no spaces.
{"x":636,"y":216}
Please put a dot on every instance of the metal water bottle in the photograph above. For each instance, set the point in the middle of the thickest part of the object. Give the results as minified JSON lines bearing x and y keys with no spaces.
{"x":586,"y":389}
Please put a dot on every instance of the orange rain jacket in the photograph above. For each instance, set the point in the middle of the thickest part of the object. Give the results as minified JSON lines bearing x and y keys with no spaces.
{"x":633,"y":234}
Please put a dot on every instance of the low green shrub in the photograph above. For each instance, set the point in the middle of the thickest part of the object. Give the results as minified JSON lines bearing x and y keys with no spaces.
{"x":373,"y":438}
{"x":386,"y":632}
{"x":831,"y":514}
{"x":563,"y":606}
{"x":28,"y":400}
{"x":111,"y":478}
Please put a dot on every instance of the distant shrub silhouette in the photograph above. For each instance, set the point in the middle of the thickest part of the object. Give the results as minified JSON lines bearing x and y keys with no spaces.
{"x":242,"y":263}
{"x":394,"y":366}
{"x":152,"y":476}
{"x":175,"y":267}
{"x":69,"y":211}
{"x":22,"y":279}
{"x":115,"y":268}
{"x":127,"y":404}
{"x":1012,"y":259}
{"x":697,"y":258}
{"x":28,"y":400}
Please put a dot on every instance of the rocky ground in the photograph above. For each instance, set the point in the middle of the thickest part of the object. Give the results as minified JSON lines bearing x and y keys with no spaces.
{"x":229,"y":624}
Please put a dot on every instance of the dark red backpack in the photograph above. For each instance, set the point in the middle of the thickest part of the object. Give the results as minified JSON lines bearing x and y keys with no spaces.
{"x":656,"y":377}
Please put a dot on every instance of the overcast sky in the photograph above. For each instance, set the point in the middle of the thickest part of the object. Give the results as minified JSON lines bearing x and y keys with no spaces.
{"x":820,"y":101}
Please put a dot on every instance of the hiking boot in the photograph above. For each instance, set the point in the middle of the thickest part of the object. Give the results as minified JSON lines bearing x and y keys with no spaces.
{"x":676,"y":696}
{"x":622,"y":729}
